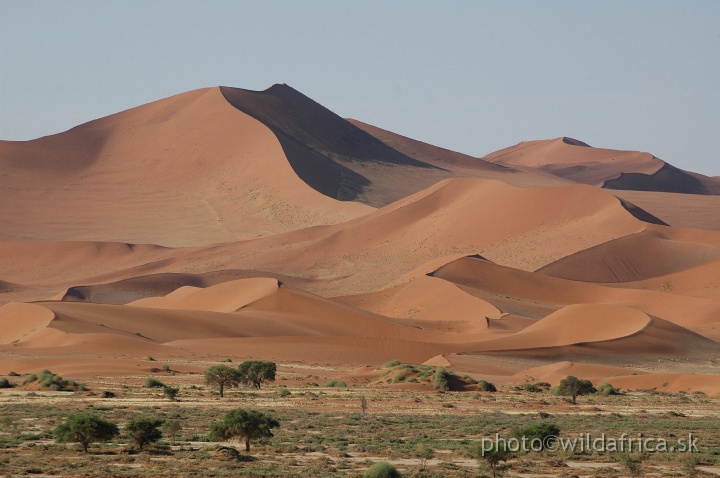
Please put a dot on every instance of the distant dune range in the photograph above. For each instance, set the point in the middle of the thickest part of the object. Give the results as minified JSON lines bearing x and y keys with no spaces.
{"x":229,"y":222}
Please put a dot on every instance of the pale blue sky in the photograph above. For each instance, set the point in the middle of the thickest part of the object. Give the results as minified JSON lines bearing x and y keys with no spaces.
{"x":467,"y":75}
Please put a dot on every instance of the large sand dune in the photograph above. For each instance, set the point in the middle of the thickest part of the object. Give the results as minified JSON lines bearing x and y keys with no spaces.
{"x":230,"y":223}
{"x":613,"y":169}
{"x":189,"y":169}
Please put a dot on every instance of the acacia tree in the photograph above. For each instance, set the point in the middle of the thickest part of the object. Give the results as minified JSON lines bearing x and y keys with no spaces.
{"x":572,"y":387}
{"x":222,"y":376}
{"x":245,"y":424}
{"x":144,"y":431}
{"x":494,"y":457}
{"x":255,"y":372}
{"x":85,"y":428}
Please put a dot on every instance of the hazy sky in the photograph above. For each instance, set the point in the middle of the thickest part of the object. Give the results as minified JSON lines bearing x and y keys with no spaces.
{"x":470,"y":76}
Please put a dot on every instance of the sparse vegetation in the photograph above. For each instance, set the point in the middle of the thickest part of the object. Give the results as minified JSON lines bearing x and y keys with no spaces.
{"x":335,"y":384}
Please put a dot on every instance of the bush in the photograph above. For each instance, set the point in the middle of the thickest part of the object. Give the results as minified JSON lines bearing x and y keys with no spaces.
{"x":606,"y":389}
{"x":441,"y":379}
{"x":283,"y":392}
{"x":484,"y":386}
{"x":335,"y":384}
{"x":29,"y":379}
{"x":381,"y":469}
{"x":538,"y":435}
{"x":5,"y":383}
{"x":170,"y":392}
{"x":152,"y":382}
{"x":391,"y":363}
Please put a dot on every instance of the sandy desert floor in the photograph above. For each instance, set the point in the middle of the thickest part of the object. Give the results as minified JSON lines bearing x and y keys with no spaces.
{"x":324,"y":432}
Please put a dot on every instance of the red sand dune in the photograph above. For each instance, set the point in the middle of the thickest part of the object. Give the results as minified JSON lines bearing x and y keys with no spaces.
{"x":225,"y":297}
{"x":214,"y":217}
{"x":189,"y":169}
{"x":656,"y":251}
{"x":612,"y":169}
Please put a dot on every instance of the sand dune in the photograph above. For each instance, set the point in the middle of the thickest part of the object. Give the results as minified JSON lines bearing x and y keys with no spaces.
{"x":613,"y":169}
{"x":536,"y":295}
{"x":651,"y":253}
{"x":225,"y":297}
{"x":462,"y":165}
{"x":678,"y":210}
{"x":432,"y":304}
{"x":18,"y":320}
{"x":230,"y":223}
{"x":186,"y":170}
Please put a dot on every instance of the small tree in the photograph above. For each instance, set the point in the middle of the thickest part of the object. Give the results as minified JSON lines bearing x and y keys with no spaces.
{"x":172,"y":428}
{"x":245,"y":424}
{"x":85,"y":428}
{"x":494,"y":457}
{"x":572,"y":387}
{"x":363,"y":403}
{"x":424,"y":453}
{"x":255,"y":372}
{"x":144,"y":431}
{"x":222,"y":376}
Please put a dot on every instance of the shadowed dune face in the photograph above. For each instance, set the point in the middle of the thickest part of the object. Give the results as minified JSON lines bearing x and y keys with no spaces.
{"x":225,"y":222}
{"x":187,"y":170}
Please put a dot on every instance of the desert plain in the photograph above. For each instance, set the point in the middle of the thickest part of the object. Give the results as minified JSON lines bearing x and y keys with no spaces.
{"x":223,"y":225}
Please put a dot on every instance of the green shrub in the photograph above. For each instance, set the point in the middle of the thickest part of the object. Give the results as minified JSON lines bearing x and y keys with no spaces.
{"x":539,"y":435}
{"x":381,"y":469}
{"x":283,"y":392}
{"x":335,"y":384}
{"x":606,"y":389}
{"x":152,"y":382}
{"x":441,"y":379}
{"x":170,"y":392}
{"x":484,"y":386}
{"x":29,"y":379}
{"x":391,"y":363}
